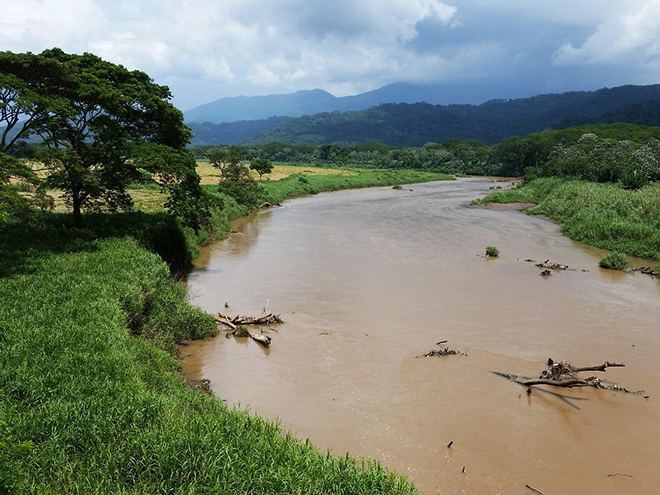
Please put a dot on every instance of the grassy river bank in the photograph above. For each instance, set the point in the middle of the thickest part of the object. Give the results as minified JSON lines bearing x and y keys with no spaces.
{"x":91,"y":397}
{"x":602,"y":215}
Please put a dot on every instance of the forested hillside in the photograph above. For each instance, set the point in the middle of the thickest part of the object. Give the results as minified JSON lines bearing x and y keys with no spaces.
{"x":490,"y":122}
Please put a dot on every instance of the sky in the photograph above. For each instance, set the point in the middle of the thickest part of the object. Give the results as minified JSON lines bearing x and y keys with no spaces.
{"x":205,"y":50}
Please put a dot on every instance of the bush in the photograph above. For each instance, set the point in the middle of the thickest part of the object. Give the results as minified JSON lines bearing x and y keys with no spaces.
{"x":492,"y":251}
{"x":397,"y":187}
{"x":614,"y":261}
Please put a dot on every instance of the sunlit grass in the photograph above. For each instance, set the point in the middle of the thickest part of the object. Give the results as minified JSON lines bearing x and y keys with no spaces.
{"x":211,"y":175}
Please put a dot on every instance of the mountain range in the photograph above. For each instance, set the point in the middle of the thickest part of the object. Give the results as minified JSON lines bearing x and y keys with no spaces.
{"x":313,"y":101}
{"x":405,"y":124}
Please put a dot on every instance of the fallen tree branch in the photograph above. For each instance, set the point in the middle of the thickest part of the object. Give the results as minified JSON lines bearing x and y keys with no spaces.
{"x":225,"y":321}
{"x":267,"y":319}
{"x":646,"y":270}
{"x":534,"y":489}
{"x":564,"y":374}
{"x":260,"y":338}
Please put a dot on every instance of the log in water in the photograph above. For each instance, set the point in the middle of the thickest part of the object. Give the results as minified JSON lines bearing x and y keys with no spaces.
{"x":369,"y":280}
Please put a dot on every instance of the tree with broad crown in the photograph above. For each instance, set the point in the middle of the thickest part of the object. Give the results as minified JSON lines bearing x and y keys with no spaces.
{"x":221,"y":157}
{"x":262,"y":166}
{"x":96,"y":121}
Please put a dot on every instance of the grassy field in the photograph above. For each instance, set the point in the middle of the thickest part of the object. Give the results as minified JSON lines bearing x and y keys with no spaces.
{"x":211,"y":175}
{"x":282,"y":184}
{"x":602,"y":215}
{"x":91,"y":397}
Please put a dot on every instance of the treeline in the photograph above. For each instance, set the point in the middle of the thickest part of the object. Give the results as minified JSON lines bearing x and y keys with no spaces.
{"x":451,"y":157}
{"x":604,"y":152}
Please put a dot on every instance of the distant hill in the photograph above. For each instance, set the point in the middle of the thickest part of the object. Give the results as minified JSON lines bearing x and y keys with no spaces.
{"x":316,"y":101}
{"x":207,"y":133}
{"x":490,"y":122}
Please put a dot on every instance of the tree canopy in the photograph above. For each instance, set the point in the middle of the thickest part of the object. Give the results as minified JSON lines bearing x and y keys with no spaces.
{"x":94,"y":120}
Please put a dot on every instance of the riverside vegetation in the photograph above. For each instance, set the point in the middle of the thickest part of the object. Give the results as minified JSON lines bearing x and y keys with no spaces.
{"x":88,"y":326}
{"x":91,"y":397}
{"x":602,"y":215}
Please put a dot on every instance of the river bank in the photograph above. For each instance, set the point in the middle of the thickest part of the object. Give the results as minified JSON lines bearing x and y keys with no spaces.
{"x":91,"y":396}
{"x":602,"y":215}
{"x":369,"y":280}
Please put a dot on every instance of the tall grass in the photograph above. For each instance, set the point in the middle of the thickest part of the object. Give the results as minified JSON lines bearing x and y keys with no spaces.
{"x":602,"y":215}
{"x":87,"y":327}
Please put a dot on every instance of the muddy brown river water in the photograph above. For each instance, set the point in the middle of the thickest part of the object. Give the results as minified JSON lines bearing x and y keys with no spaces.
{"x":369,"y":280}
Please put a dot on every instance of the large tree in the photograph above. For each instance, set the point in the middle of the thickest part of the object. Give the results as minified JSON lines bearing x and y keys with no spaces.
{"x":93,"y":119}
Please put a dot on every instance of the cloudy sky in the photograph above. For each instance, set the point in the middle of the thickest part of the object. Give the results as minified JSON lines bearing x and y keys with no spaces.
{"x":205,"y":49}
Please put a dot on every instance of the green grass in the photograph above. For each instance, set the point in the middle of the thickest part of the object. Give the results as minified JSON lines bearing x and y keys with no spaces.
{"x":602,"y":215}
{"x":614,"y":261}
{"x":88,"y":324}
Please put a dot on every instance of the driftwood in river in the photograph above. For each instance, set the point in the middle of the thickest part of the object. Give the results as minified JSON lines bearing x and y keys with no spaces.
{"x":267,"y":319}
{"x":646,"y":270}
{"x":241,"y":331}
{"x":564,"y":374}
{"x":236,"y":324}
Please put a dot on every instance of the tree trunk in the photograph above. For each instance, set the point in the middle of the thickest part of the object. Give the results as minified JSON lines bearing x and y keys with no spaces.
{"x":77,"y":214}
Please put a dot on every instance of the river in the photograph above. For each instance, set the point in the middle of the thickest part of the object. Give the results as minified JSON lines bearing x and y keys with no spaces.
{"x":369,"y":280}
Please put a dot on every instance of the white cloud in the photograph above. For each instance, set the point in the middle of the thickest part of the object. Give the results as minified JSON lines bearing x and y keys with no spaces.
{"x":629,"y":39}
{"x":345,"y":46}
{"x":285,"y":44}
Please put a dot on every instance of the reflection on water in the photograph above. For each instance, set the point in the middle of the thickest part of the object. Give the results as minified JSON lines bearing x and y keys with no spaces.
{"x":369,"y":280}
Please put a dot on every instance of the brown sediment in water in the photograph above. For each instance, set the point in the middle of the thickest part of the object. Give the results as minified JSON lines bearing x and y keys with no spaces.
{"x":368,"y":280}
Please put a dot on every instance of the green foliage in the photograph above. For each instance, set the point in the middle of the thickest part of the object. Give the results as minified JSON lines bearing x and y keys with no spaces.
{"x":603,"y":215}
{"x":614,"y":261}
{"x":239,"y":184}
{"x":92,"y":116}
{"x":397,"y":187}
{"x":262,"y":166}
{"x":492,"y":251}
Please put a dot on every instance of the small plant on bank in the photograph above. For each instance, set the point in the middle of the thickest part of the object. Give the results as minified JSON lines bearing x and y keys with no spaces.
{"x":492,"y":251}
{"x":614,"y":261}
{"x":397,"y":187}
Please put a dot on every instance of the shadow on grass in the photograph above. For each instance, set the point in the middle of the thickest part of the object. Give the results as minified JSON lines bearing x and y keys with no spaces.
{"x":22,"y":243}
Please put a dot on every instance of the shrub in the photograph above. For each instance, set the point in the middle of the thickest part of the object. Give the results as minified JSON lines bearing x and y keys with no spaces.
{"x":614,"y":261}
{"x":492,"y":251}
{"x":397,"y":187}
